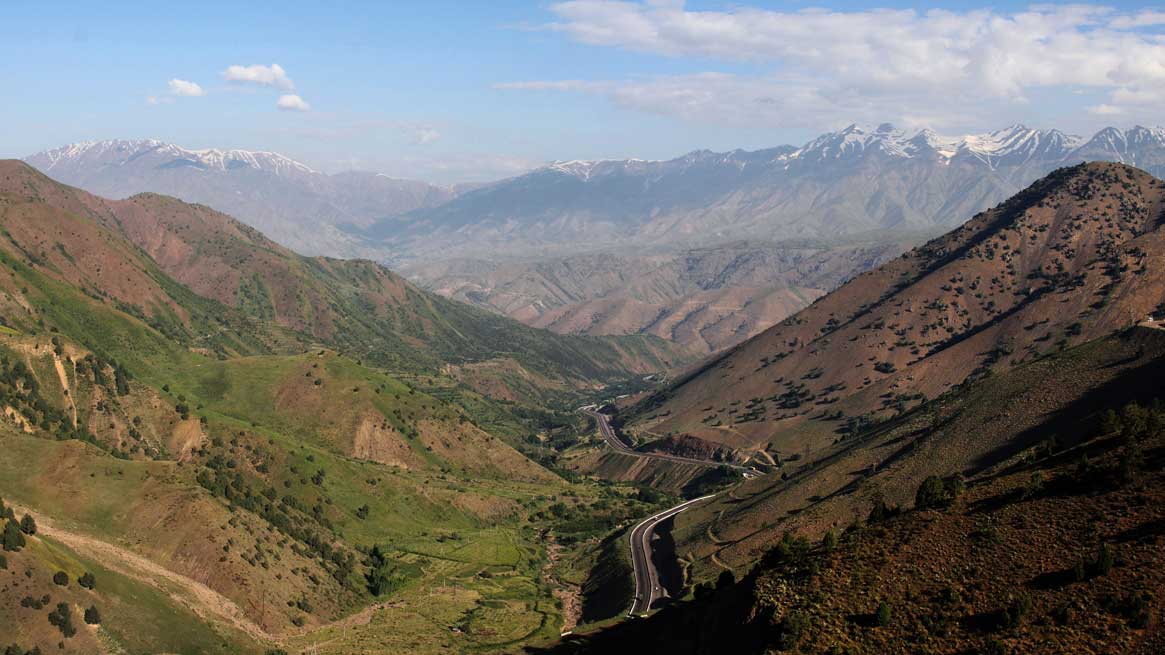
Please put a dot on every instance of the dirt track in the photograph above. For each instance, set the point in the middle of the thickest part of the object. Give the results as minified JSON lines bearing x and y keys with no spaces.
{"x":197,"y":597}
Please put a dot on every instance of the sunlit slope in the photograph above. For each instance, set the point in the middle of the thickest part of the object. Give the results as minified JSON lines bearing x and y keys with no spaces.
{"x":1066,"y":261}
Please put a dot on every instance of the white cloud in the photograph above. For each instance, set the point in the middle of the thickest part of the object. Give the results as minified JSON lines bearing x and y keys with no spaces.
{"x":184,"y":88}
{"x":273,"y":75}
{"x":292,"y":102}
{"x":957,"y":65}
{"x":1106,"y":110}
{"x":427,"y":135}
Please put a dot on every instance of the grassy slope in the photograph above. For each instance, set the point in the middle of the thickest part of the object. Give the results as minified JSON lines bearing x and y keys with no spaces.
{"x":188,"y":389}
{"x":136,"y":617}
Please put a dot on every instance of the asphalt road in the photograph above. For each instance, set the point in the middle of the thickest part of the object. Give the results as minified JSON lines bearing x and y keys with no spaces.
{"x":617,"y":444}
{"x":647,"y":585}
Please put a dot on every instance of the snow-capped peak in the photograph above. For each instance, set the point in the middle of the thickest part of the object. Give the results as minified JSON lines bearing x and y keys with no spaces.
{"x":857,"y":140}
{"x":584,"y":169}
{"x":122,"y":151}
{"x":1017,"y":143}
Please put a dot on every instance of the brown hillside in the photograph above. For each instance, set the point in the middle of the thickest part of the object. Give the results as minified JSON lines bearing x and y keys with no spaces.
{"x":1066,"y":261}
{"x":975,"y":431}
{"x":1042,"y":530}
{"x":221,"y":258}
{"x":51,"y":228}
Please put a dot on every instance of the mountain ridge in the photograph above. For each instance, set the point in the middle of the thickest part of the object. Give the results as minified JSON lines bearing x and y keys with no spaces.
{"x":295,"y":204}
{"x":1062,"y":262}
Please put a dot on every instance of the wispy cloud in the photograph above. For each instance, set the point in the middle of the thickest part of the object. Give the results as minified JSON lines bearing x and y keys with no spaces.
{"x":958,"y":65}
{"x":272,"y":76}
{"x":292,"y":102}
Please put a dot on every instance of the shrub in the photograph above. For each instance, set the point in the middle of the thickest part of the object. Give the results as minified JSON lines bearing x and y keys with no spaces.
{"x":28,"y":525}
{"x":829,"y":541}
{"x":61,"y":578}
{"x":883,"y":615}
{"x":881,"y":511}
{"x":1105,"y":559}
{"x":1020,"y":607}
{"x":725,"y":579}
{"x":92,"y":616}
{"x":62,"y":617}
{"x":937,"y":493}
{"x":931,"y":493}
{"x":790,"y":630}
{"x":87,"y":580}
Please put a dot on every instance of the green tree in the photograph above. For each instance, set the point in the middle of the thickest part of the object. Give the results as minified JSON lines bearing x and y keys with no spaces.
{"x":61,"y":578}
{"x":28,"y":524}
{"x":13,"y":539}
{"x":87,"y":580}
{"x":883,"y":614}
{"x":92,"y":616}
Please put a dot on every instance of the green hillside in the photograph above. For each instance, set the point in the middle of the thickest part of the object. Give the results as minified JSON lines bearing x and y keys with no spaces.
{"x":286,"y":488}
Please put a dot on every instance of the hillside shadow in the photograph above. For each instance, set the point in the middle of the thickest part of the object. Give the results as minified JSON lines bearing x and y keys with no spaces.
{"x":1074,"y":423}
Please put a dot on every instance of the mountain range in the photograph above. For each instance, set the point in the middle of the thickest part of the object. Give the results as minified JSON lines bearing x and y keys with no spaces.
{"x":845,"y":182}
{"x":627,"y":246}
{"x":842,"y":183}
{"x":289,"y":201}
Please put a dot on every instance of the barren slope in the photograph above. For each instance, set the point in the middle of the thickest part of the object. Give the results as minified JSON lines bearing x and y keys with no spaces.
{"x":1064,"y":262}
{"x":705,"y":299}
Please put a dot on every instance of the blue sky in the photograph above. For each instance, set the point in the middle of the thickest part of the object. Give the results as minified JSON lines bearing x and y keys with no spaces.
{"x":452,"y":91}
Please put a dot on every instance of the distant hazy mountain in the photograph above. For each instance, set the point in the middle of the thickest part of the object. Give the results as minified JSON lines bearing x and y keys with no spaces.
{"x":283,"y":198}
{"x":853,"y":181}
{"x":706,"y":299}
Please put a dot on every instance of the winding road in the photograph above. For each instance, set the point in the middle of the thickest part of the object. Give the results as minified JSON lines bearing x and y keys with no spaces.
{"x":647,"y":585}
{"x":617,"y":444}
